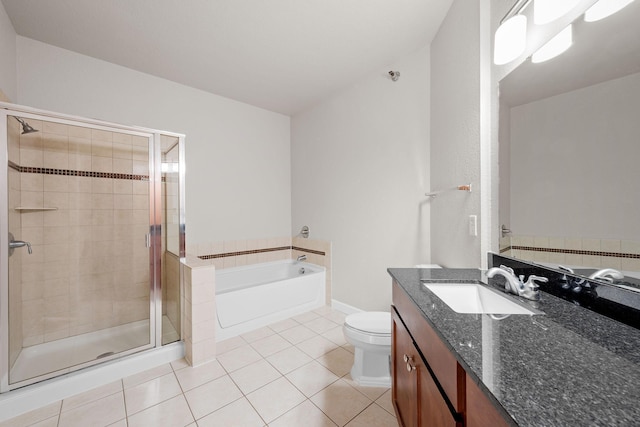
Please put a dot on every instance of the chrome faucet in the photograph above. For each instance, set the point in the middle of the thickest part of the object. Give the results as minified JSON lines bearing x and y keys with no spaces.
{"x":301,"y":258}
{"x":13,"y":244}
{"x":529,"y":290}
{"x":608,"y":274}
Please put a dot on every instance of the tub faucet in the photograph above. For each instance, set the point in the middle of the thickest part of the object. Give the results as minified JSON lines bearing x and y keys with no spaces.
{"x":301,"y":258}
{"x":514,"y":285}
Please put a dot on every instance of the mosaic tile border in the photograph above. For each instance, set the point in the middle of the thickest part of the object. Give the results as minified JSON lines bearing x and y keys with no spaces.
{"x":571,"y":251}
{"x":258,"y":251}
{"x":71,"y":172}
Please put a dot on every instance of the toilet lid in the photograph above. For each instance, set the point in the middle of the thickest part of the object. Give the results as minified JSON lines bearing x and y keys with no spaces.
{"x":376,"y":322}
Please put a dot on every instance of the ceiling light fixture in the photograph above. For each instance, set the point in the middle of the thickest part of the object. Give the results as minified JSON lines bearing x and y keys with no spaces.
{"x":511,"y":36}
{"x":545,"y":11}
{"x":604,"y":8}
{"x":554,"y":47}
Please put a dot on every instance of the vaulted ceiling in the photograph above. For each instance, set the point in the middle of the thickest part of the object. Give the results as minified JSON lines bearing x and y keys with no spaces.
{"x":281,"y":55}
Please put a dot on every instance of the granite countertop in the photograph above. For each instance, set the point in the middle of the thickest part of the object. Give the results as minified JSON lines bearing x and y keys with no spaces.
{"x":567,"y":367}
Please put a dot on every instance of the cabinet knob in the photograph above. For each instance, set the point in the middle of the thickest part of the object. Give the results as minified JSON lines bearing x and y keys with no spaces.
{"x":410,"y":367}
{"x":408,"y":360}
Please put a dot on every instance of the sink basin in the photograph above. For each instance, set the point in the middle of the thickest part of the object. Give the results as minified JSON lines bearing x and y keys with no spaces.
{"x":475,"y":298}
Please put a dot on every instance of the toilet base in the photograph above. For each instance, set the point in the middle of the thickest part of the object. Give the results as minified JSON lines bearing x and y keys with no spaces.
{"x":371,"y":369}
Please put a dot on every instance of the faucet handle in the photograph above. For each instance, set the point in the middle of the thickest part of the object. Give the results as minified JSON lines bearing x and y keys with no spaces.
{"x":531,"y":282}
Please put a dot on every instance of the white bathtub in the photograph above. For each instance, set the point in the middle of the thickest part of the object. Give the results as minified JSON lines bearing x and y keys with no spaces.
{"x":256,"y":295}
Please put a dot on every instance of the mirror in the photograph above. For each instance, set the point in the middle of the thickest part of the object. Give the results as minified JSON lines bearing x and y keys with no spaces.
{"x":570,"y":152}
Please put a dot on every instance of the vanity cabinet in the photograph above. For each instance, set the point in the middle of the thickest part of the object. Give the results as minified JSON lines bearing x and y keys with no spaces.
{"x":429,"y":387}
{"x":416,"y":397}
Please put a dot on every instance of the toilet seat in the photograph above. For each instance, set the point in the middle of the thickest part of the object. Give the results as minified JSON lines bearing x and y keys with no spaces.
{"x":369,"y":327}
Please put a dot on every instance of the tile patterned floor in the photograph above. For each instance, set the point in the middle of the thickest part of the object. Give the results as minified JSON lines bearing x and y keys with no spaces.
{"x":289,"y":374}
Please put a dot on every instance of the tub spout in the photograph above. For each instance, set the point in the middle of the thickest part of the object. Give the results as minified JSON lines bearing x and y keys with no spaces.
{"x":301,"y":258}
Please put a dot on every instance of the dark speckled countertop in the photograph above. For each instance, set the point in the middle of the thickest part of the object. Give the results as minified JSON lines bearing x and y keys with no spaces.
{"x":567,"y":367}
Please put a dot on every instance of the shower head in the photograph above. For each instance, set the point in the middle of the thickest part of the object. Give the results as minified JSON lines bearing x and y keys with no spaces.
{"x":26,"y":127}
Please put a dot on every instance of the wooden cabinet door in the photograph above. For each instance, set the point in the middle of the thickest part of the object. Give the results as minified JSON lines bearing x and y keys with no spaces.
{"x":404,"y":383}
{"x":416,"y":397}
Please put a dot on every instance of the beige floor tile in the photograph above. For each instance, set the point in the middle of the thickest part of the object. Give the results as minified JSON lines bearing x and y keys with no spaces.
{"x":100,"y":412}
{"x":297,"y":334}
{"x":229,"y":344}
{"x":289,"y":359}
{"x":385,"y":402}
{"x":275,"y":399}
{"x":237,"y":414}
{"x":372,"y":393}
{"x":335,"y":335}
{"x":349,"y":348}
{"x":91,"y":395}
{"x":306,"y":317}
{"x":374,"y":416}
{"x":238,"y":358}
{"x":254,"y":376}
{"x":324,"y":310}
{"x":321,"y":325}
{"x":212,"y":396}
{"x":270,"y":345}
{"x":306,"y":414}
{"x":193,"y":377}
{"x":258,"y":334}
{"x":340,"y":402}
{"x":173,"y":412}
{"x":49,"y":422}
{"x":151,"y":393}
{"x":121,"y":423}
{"x":317,"y":346}
{"x":339,"y":361}
{"x":143,"y":377}
{"x":336,"y":316}
{"x":283,"y":325}
{"x":32,"y":417}
{"x":179,"y":364}
{"x":311,"y":378}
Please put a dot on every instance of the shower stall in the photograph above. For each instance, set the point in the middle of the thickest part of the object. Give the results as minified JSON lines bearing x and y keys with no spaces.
{"x":91,"y":236}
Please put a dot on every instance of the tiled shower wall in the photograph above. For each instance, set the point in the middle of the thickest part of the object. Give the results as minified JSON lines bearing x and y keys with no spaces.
{"x":90,"y":265}
{"x":596,"y":253}
{"x":238,"y":253}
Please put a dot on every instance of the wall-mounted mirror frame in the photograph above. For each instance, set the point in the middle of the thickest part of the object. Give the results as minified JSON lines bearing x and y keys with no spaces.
{"x":569,"y":138}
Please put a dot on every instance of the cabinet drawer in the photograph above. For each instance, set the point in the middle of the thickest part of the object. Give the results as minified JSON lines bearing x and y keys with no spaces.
{"x":444,"y":365}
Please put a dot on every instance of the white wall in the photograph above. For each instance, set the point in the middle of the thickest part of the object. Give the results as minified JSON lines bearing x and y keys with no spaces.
{"x":552,"y":194}
{"x":455,"y":135}
{"x":8,"y":78}
{"x":359,"y":170}
{"x":238,"y":156}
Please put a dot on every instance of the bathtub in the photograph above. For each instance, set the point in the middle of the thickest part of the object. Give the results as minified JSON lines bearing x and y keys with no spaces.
{"x":256,"y":295}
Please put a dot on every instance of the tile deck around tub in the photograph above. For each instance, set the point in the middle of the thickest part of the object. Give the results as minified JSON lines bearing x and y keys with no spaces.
{"x":291,"y":373}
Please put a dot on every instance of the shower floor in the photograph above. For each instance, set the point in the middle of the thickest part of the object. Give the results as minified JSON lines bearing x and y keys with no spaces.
{"x":59,"y":357}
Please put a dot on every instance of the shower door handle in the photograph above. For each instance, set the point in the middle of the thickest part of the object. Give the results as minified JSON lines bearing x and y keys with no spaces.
{"x":147,"y":239}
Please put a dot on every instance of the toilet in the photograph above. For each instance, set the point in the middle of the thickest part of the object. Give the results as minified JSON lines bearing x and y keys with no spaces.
{"x":370,"y":335}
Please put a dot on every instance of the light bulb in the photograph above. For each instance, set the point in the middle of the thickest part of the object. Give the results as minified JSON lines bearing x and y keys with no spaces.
{"x":604,"y":8}
{"x":510,"y":39}
{"x":545,"y":11}
{"x":554,"y":47}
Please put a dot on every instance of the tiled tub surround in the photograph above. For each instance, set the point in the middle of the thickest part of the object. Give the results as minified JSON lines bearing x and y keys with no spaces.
{"x":595,"y":253}
{"x":570,"y":366}
{"x":238,"y":253}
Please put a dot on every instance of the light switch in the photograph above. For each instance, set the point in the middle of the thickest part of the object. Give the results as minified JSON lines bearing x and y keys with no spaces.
{"x":473,"y":225}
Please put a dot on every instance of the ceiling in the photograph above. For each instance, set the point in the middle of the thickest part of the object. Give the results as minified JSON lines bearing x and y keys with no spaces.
{"x":601,"y":51}
{"x":281,"y":55}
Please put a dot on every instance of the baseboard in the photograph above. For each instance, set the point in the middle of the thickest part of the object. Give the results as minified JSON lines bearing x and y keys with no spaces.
{"x":345,"y":308}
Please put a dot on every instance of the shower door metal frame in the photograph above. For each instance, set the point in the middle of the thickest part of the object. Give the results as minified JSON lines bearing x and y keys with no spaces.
{"x":155,"y":229}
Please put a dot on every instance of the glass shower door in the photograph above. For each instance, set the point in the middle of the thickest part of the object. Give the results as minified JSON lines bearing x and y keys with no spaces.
{"x":80,"y":266}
